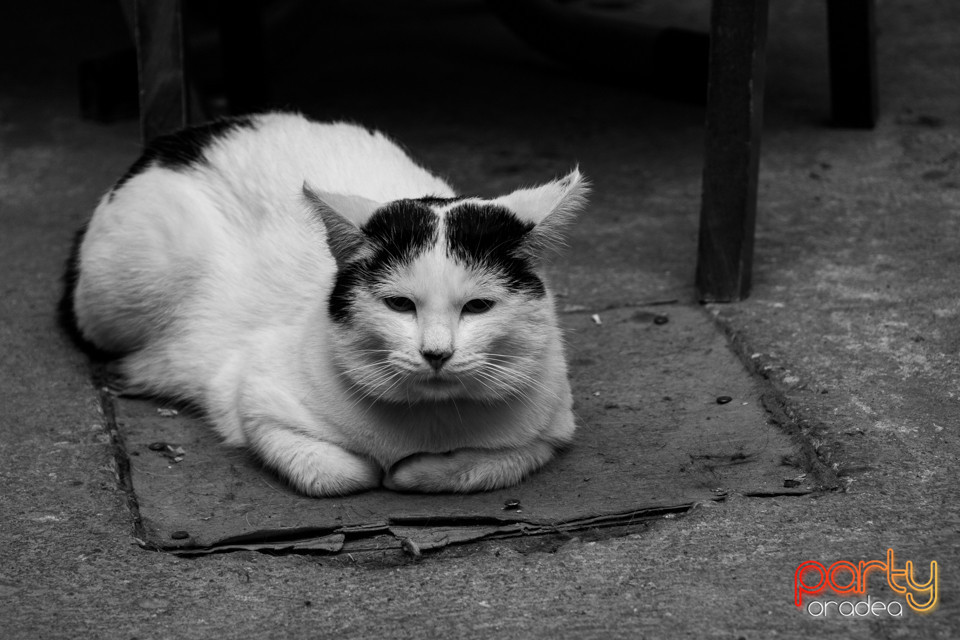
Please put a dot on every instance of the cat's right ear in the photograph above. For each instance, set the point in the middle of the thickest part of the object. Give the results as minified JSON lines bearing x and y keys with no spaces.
{"x":552,"y":208}
{"x":341,"y":216}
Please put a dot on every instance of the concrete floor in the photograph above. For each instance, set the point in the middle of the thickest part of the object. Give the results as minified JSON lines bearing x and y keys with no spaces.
{"x":854,"y":321}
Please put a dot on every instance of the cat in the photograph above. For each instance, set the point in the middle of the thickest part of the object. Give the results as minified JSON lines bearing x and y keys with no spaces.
{"x":333,"y":306}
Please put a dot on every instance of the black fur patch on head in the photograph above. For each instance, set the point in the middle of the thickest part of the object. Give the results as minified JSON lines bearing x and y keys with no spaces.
{"x":397,"y":232}
{"x":435,"y":201}
{"x":183,"y":148}
{"x":488,"y":237}
{"x":401,"y":229}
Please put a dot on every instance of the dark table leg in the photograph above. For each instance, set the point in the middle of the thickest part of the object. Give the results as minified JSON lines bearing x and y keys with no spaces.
{"x":163,"y":87}
{"x":242,"y":52}
{"x":853,"y":62}
{"x":738,"y":37}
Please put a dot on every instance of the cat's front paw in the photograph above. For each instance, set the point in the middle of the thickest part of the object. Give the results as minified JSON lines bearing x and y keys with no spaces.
{"x":429,"y":473}
{"x":314,"y":467}
{"x":327,"y":470}
{"x":466,"y":470}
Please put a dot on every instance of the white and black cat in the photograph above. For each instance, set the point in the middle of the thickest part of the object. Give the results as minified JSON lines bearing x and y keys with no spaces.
{"x":333,"y":306}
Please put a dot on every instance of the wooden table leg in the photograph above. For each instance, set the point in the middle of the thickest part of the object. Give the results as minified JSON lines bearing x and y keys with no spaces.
{"x":851,"y":25}
{"x":163,"y":87}
{"x":738,"y":37}
{"x":242,"y":53}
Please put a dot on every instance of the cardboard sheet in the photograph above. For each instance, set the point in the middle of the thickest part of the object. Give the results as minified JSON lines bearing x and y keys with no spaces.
{"x":653,"y":439}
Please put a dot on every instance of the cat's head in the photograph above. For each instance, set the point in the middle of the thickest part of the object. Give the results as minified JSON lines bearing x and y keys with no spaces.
{"x":444,"y":298}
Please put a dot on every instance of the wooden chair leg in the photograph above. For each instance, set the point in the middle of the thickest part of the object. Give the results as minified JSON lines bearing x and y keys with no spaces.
{"x":242,"y":53}
{"x":738,"y":38}
{"x":851,"y":25}
{"x":163,"y":87}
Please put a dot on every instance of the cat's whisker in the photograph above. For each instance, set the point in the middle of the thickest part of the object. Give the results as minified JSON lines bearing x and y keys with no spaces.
{"x":517,"y":365}
{"x":359,"y":375}
{"x":393,"y":377}
{"x":367,"y":379}
{"x":511,"y":394}
{"x":495,"y":390}
{"x":372,"y":351}
{"x":503,"y":387}
{"x":516,"y":375}
{"x":397,"y":380}
{"x":377,"y":380}
{"x":453,"y":401}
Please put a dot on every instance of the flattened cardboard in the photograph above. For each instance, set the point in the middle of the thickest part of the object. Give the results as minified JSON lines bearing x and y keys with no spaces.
{"x":652,"y":439}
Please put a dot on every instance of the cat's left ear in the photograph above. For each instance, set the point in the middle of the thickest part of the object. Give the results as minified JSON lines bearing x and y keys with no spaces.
{"x":552,"y":207}
{"x":342,"y":216}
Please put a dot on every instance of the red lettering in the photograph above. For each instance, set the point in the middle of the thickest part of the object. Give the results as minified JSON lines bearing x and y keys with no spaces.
{"x":800,"y":587}
{"x":852,"y":586}
{"x":865,"y":567}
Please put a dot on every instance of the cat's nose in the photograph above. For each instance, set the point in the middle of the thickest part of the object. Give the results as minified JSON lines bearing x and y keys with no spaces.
{"x":436,"y":359}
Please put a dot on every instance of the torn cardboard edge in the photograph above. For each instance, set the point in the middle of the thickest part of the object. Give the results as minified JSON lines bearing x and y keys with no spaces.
{"x":414,"y":538}
{"x":412,"y":535}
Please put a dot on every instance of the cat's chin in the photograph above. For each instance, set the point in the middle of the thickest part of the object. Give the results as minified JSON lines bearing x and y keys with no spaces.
{"x":437,"y":388}
{"x":417,"y":389}
{"x":453,"y":389}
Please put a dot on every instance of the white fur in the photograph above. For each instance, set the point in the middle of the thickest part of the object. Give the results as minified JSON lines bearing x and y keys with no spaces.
{"x":215,"y":281}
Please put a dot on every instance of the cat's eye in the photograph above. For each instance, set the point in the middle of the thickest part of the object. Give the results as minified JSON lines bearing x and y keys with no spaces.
{"x":400,"y":304}
{"x":478,"y":305}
